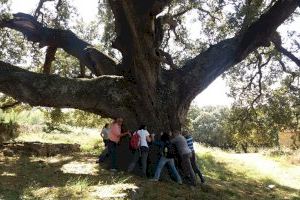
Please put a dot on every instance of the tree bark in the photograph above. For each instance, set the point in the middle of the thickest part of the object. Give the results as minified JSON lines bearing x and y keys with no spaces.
{"x":108,"y":96}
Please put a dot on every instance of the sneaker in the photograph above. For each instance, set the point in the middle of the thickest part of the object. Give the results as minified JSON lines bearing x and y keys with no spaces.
{"x":113,"y":170}
{"x":153,"y":180}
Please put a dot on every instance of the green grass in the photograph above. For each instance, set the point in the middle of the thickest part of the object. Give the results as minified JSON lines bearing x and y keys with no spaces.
{"x":89,"y":139}
{"x":32,"y":117}
{"x":77,"y":176}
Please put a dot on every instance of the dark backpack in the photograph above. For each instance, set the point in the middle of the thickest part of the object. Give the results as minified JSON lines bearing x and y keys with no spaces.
{"x":134,"y":143}
{"x":169,"y":150}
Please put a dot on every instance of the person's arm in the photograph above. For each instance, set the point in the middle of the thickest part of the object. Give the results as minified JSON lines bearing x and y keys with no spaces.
{"x":148,"y":138}
{"x":125,"y":133}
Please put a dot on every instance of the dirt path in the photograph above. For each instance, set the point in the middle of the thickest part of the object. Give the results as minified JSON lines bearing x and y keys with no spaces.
{"x":256,"y":165}
{"x":283,"y":174}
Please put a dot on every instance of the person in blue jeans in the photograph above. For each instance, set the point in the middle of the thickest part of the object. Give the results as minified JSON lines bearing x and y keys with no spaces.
{"x":167,"y":157}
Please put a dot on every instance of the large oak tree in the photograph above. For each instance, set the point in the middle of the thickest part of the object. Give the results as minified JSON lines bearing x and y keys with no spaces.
{"x":146,"y":85}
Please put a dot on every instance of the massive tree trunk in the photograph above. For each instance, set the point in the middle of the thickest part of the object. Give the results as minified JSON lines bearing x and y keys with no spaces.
{"x":138,"y":89}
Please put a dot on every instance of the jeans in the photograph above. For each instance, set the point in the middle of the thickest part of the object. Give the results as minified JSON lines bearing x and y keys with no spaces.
{"x":104,"y":154}
{"x":112,"y":147}
{"x":187,"y":167}
{"x":105,"y":141}
{"x":170,"y":161}
{"x":143,"y":153}
{"x":195,"y":167}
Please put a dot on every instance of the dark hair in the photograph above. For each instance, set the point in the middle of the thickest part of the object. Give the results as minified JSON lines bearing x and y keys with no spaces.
{"x":142,"y":127}
{"x":165,"y":137}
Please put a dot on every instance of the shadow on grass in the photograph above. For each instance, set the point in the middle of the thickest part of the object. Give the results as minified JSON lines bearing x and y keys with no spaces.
{"x":22,"y":176}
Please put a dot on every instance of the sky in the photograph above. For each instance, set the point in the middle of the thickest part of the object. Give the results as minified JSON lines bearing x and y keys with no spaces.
{"x":214,"y":94}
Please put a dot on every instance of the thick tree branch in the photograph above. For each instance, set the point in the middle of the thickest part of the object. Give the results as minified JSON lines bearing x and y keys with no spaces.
{"x":167,"y":59}
{"x":34,"y":31}
{"x":200,"y":71}
{"x":135,"y":40}
{"x":106,"y":95}
{"x":285,"y":52}
{"x":152,"y":6}
{"x":82,"y":71}
{"x":259,"y":33}
{"x":50,"y":57}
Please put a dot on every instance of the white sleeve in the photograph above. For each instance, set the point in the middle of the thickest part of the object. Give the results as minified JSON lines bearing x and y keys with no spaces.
{"x":147,"y":133}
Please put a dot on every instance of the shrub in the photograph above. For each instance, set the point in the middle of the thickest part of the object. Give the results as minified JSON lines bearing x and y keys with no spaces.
{"x":8,"y":130}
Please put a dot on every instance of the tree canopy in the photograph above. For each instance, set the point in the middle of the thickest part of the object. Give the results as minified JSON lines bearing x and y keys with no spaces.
{"x":139,"y":59}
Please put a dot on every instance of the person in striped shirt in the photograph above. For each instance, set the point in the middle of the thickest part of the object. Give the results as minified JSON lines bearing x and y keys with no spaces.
{"x":189,"y":140}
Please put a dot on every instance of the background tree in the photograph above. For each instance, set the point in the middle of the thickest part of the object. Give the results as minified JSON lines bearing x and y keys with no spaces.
{"x":245,"y":129}
{"x":208,"y":124}
{"x":148,"y":80}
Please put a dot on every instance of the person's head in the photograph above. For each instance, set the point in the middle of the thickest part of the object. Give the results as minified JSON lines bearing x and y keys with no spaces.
{"x":106,"y":125}
{"x":119,"y":121}
{"x":143,"y":127}
{"x":176,"y":133}
{"x":185,"y":133}
{"x":165,"y":137}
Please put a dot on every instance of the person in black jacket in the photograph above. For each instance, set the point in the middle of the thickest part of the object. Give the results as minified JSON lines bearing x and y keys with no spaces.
{"x":167,"y":157}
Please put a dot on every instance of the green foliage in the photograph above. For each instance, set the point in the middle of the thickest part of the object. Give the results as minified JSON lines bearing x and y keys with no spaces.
{"x":8,"y":130}
{"x":251,"y":128}
{"x":84,"y":119}
{"x":4,"y":8}
{"x":242,"y":127}
{"x":207,"y":125}
{"x":57,"y":119}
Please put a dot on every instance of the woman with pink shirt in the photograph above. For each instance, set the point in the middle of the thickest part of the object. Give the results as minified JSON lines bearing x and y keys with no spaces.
{"x":114,"y":137}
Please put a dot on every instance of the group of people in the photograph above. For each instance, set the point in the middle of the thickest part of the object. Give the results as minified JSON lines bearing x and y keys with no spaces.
{"x":174,"y":147}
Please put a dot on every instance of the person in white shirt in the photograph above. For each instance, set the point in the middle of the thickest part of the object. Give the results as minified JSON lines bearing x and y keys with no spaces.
{"x":142,"y":151}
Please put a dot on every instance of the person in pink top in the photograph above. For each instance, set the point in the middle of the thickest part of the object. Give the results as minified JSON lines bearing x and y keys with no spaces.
{"x":114,"y":137}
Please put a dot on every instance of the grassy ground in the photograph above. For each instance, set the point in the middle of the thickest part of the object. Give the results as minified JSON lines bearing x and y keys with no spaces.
{"x":77,"y":176}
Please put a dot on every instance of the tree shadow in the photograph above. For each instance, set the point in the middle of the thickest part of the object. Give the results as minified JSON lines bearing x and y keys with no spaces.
{"x":21,"y":174}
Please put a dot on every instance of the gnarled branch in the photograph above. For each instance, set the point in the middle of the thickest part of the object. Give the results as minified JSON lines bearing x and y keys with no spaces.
{"x":200,"y":71}
{"x":284,"y":51}
{"x":259,"y":33}
{"x":105,"y":95}
{"x":50,"y":57}
{"x":156,"y":6}
{"x":96,"y":61}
